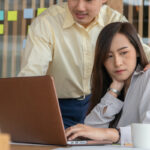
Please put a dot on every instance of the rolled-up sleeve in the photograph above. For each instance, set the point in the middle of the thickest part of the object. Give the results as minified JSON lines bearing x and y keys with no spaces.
{"x":99,"y":118}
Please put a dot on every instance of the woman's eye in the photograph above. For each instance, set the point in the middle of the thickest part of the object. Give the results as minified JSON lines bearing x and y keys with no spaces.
{"x":123,"y":53}
{"x":109,"y":56}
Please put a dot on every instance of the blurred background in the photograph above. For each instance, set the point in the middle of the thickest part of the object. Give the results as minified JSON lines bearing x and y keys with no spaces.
{"x":17,"y":15}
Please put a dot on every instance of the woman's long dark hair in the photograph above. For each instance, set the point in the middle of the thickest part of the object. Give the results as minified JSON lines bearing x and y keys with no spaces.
{"x":100,"y":79}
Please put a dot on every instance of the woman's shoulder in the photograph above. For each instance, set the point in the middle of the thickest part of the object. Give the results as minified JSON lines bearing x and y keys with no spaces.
{"x":144,"y":78}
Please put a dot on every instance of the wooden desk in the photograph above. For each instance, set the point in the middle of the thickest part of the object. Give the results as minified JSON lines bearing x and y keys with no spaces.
{"x":32,"y":147}
{"x":107,"y":147}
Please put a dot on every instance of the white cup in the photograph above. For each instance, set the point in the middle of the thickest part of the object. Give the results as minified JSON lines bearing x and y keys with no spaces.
{"x":140,"y":135}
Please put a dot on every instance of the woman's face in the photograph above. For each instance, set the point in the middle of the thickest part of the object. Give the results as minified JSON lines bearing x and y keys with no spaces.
{"x":121,"y":60}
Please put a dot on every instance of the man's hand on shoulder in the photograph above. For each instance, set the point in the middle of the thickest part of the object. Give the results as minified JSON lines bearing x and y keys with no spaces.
{"x":146,"y":67}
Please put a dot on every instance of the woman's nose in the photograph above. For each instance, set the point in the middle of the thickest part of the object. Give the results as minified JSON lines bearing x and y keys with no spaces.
{"x":118,"y":61}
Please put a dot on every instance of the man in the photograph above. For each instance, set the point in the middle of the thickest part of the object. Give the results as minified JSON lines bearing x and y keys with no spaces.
{"x":61,"y":43}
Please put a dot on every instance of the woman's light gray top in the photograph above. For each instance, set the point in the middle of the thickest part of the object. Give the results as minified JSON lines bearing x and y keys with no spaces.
{"x":136,"y":107}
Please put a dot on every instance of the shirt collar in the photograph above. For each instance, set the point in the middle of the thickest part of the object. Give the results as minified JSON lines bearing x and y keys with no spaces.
{"x":69,"y":21}
{"x":101,"y":16}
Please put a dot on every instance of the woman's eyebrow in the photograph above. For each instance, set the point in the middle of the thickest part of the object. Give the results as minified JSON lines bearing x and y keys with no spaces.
{"x":122,"y":48}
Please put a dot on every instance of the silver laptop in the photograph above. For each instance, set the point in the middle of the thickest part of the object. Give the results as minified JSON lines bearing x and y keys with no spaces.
{"x":30,"y":113}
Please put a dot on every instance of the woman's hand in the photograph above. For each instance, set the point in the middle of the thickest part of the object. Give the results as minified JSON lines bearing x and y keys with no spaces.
{"x":117,"y":85}
{"x":100,"y":134}
{"x":81,"y":130}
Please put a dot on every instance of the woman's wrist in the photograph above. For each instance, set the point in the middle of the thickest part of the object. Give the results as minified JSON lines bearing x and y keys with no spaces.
{"x":118,"y":130}
{"x":113,"y":134}
{"x":115,"y":91}
{"x":117,"y":85}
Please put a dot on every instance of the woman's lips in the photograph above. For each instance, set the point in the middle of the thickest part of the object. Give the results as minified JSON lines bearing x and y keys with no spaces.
{"x":119,"y":71}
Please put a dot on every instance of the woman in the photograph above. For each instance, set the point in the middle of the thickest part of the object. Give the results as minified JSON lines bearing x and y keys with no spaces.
{"x":120,"y":89}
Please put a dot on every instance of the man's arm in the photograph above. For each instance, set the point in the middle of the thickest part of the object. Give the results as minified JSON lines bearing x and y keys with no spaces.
{"x":38,"y":51}
{"x":146,"y":50}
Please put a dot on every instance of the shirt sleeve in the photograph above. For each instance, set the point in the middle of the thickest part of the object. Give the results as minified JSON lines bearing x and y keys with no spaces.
{"x":98,"y":118}
{"x":144,"y":106}
{"x":125,"y":133}
{"x":144,"y":109}
{"x":38,"y":51}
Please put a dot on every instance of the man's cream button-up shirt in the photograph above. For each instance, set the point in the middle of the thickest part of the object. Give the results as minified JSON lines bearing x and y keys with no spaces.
{"x":62,"y":48}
